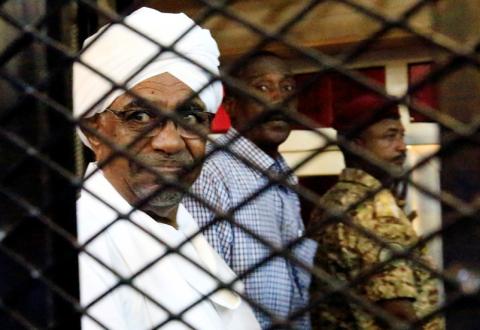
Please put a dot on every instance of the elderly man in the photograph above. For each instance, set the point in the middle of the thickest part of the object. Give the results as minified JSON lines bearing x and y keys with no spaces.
{"x":279,"y":286}
{"x":143,"y":264}
{"x":368,"y":198}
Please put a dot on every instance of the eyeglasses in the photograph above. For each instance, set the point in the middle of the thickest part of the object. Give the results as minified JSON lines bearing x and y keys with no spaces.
{"x":192,"y":122}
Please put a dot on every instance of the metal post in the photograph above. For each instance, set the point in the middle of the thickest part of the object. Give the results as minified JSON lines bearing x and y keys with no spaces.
{"x":35,"y":262}
{"x":459,"y":98}
{"x":61,"y":193}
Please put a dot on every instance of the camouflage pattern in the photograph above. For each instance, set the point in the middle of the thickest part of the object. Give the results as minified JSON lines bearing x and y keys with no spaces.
{"x":346,"y":253}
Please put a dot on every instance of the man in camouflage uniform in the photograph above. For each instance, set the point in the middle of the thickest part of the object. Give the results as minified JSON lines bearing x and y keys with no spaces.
{"x":365,"y":198}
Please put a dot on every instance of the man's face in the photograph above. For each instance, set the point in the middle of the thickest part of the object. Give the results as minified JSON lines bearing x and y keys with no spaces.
{"x":270,"y":79}
{"x":385,"y":140}
{"x":165,"y":149}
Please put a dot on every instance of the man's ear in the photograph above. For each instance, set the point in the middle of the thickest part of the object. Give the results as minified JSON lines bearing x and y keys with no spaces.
{"x":93,"y":123}
{"x":358,"y":141}
{"x":229,"y":104}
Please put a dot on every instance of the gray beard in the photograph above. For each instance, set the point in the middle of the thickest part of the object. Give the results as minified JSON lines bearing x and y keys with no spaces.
{"x":165,"y":199}
{"x":162,"y":199}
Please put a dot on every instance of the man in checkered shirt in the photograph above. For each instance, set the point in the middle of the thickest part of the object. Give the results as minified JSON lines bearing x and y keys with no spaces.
{"x":232,"y":180}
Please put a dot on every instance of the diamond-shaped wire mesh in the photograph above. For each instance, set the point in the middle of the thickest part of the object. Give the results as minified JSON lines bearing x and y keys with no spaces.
{"x":338,"y":50}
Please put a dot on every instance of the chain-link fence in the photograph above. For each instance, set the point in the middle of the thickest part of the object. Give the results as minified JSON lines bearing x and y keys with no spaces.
{"x":419,"y":55}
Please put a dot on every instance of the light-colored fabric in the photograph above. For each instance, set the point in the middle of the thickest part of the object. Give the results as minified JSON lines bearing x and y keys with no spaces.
{"x":172,"y":281}
{"x":279,"y":285}
{"x":120,"y":53}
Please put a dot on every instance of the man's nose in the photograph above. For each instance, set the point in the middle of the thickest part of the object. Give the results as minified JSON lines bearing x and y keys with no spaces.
{"x":168,"y":139}
{"x":401,"y":146}
{"x":279,"y":94}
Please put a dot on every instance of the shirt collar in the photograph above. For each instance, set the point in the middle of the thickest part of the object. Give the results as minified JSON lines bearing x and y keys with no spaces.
{"x":100,"y":185}
{"x":361,"y":177}
{"x":246,"y":149}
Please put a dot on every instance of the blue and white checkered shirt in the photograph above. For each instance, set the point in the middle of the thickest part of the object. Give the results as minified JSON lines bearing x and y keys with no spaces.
{"x":225,"y":182}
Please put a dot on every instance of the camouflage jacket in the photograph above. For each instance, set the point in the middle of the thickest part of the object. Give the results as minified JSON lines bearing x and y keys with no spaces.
{"x":349,"y":251}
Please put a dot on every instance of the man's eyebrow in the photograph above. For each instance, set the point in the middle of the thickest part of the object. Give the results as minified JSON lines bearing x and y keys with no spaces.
{"x":195,"y":102}
{"x":286,"y":76}
{"x":139,"y":103}
{"x":253,"y":77}
{"x":135,"y":104}
{"x":395,"y":129}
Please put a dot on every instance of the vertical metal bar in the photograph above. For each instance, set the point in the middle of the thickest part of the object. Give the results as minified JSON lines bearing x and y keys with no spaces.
{"x":61,"y":194}
{"x":459,"y":98}
{"x":87,"y":20}
{"x":24,"y":235}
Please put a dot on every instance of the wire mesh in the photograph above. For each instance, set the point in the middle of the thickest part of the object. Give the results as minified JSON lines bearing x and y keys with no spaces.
{"x":38,"y":240}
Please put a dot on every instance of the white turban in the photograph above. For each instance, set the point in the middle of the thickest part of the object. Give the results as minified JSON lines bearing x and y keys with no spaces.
{"x":119,"y":52}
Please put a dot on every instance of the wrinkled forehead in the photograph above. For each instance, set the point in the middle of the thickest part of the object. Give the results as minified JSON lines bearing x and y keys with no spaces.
{"x":163,"y":90}
{"x":264,"y":66}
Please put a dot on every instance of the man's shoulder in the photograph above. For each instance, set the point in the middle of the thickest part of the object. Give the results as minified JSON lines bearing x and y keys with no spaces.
{"x":220,"y":164}
{"x":344,"y":195}
{"x":219,"y":172}
{"x":385,"y":198}
{"x":222,"y":159}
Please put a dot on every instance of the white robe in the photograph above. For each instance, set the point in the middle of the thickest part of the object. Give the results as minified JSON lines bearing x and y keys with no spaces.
{"x":174,"y":282}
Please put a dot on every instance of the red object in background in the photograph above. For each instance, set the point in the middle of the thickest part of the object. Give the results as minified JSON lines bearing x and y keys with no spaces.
{"x":314,"y":98}
{"x":221,"y":122}
{"x":319,"y":96}
{"x":346,"y":89}
{"x":426,"y":95}
{"x":352,"y":103}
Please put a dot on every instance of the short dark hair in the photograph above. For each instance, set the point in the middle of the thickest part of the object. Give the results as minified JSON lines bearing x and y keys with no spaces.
{"x":238,"y":68}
